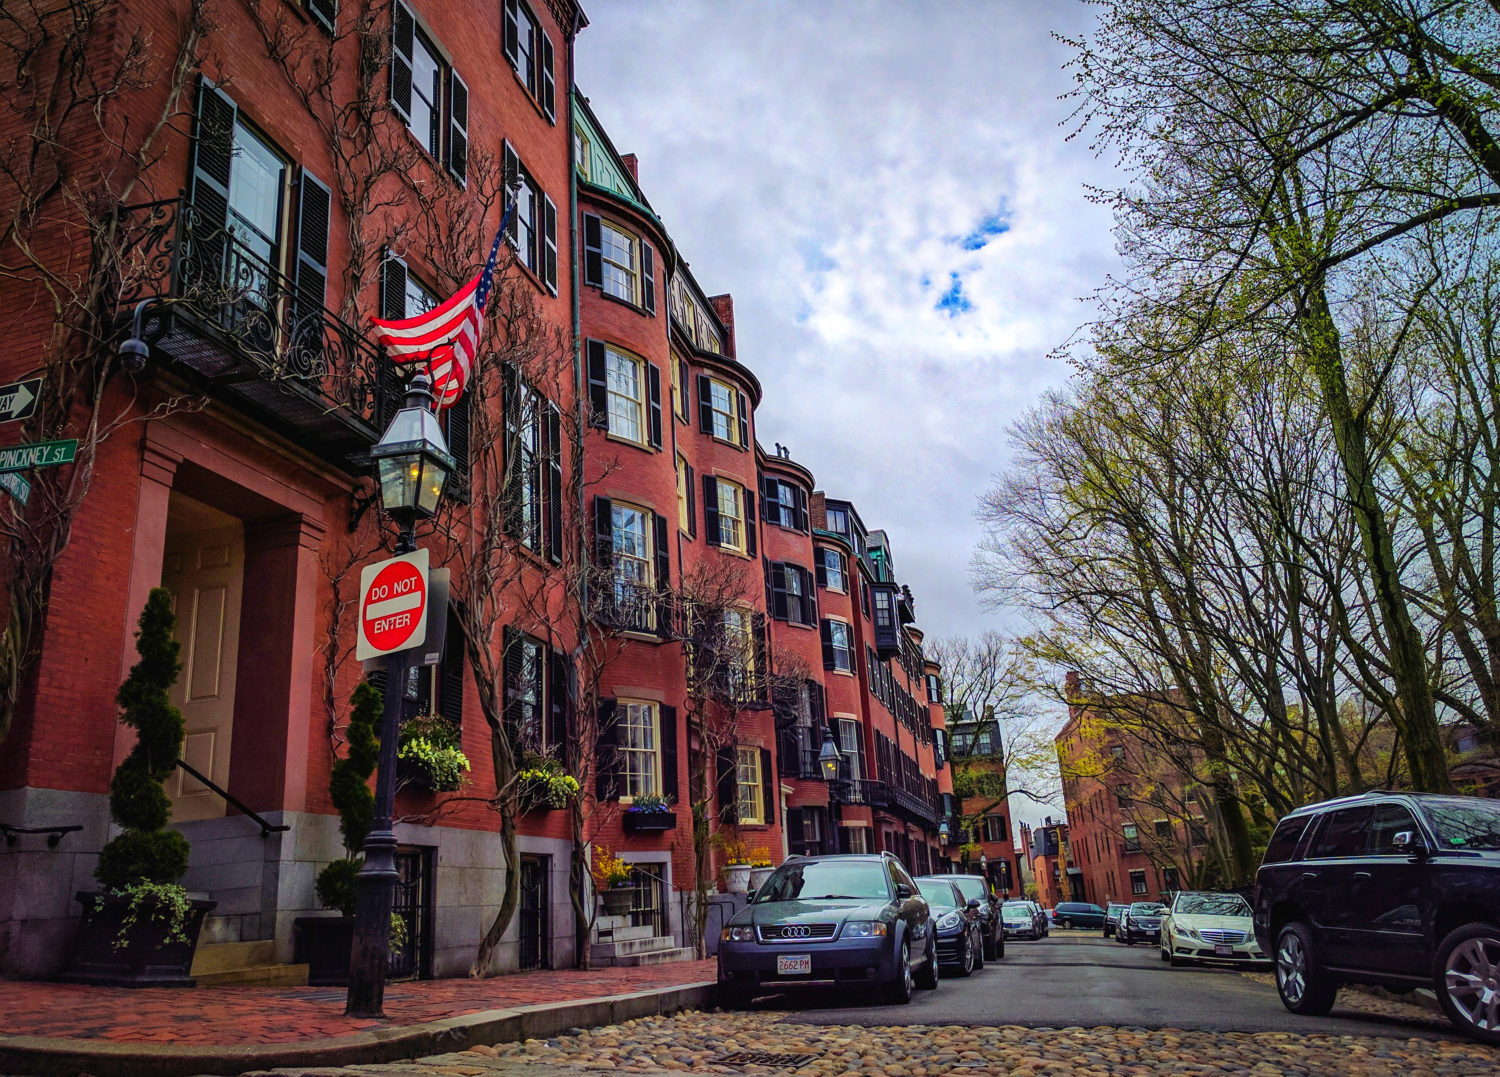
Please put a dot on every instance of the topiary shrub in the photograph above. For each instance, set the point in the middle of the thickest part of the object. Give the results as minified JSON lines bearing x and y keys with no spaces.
{"x":145,"y":853}
{"x":349,"y":788}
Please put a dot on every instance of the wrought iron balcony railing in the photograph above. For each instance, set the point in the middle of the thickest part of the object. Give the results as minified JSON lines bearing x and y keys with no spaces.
{"x":234,"y":324}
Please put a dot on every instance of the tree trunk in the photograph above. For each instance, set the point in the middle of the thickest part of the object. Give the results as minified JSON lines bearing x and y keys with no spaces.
{"x":505,"y":783}
{"x":578,"y":894}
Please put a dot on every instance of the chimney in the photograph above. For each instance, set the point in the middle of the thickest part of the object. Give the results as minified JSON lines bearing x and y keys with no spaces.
{"x":724,"y":307}
{"x":633,"y":166}
{"x":1073,"y":685}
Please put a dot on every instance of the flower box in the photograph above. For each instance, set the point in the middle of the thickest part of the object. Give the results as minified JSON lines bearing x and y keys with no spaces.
{"x":642,"y":822}
{"x":108,"y":950}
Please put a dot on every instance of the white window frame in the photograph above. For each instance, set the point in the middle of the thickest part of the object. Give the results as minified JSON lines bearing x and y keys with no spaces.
{"x":833,"y":568}
{"x":682,"y":493}
{"x":731,"y":519}
{"x":638,"y":742}
{"x":746,"y":794}
{"x":848,"y":646}
{"x":622,"y":406}
{"x":634,"y":574}
{"x":620,"y":279}
{"x":730,"y":417}
{"x":1138,"y":875}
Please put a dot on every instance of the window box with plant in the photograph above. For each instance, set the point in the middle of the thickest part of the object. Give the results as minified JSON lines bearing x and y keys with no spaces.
{"x":613,"y":878}
{"x":141,"y":929}
{"x":428,"y":756}
{"x":543,"y":786}
{"x":650,"y":812}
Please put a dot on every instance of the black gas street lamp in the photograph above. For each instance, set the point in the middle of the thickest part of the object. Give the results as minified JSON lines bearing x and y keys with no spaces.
{"x":412,"y":464}
{"x":829,"y":757}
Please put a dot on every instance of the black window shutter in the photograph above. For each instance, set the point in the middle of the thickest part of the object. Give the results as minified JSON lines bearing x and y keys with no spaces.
{"x":816,"y":708}
{"x":593,"y":250}
{"x":213,"y":157}
{"x":729,"y":811}
{"x":768,"y":498}
{"x":648,"y":277}
{"x":705,"y":404}
{"x":843,"y":567}
{"x":549,"y":244}
{"x":451,"y":673}
{"x":512,"y":36}
{"x":820,"y":566}
{"x":606,"y":757}
{"x":668,"y":743}
{"x":793,"y":820}
{"x":711,"y":510}
{"x":692,"y":496}
{"x":744,"y":421}
{"x":314,"y":203}
{"x":749,"y":508}
{"x":324,"y":12}
{"x":554,"y":484}
{"x":557,"y":698}
{"x":458,"y":128}
{"x":760,"y":627}
{"x":548,"y":83}
{"x":799,"y":500}
{"x":392,"y":305}
{"x":604,"y":532}
{"x":403,"y":37}
{"x":663,"y":575}
{"x":809,"y":598}
{"x":598,"y":385}
{"x":457,"y":433}
{"x":825,"y":629}
{"x":512,"y":665}
{"x":682,"y":380}
{"x":653,"y":388}
{"x":768,"y":784}
{"x":510,"y":168}
{"x":776,"y":575}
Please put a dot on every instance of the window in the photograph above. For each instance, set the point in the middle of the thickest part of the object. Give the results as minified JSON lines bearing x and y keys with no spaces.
{"x":531,"y":56}
{"x":1390,"y":820}
{"x":679,"y":394}
{"x":1342,"y":833}
{"x":525,"y":673}
{"x":731,"y":515}
{"x":581,"y":151}
{"x":984,"y":742}
{"x":533,"y":227}
{"x":838,"y":520}
{"x":784,"y":503}
{"x":428,"y":94}
{"x":523,"y":434}
{"x":838,"y":648}
{"x":618,"y":263}
{"x":640,"y":748}
{"x":1169,"y":879}
{"x":831,"y":570}
{"x":1132,"y":838}
{"x":851,"y":748}
{"x":934,"y":688}
{"x":857,"y":839}
{"x":684,"y":494}
{"x":1285,"y":840}
{"x":721,"y":410}
{"x":627,"y":407}
{"x":739,"y":657}
{"x":633,"y":575}
{"x":256,"y":197}
{"x":1138,"y":881}
{"x":747,"y":785}
{"x":791,"y":593}
{"x":1116,"y":752}
{"x":1122,"y":795}
{"x":1197,"y":832}
{"x":994,"y":828}
{"x":1163,"y":830}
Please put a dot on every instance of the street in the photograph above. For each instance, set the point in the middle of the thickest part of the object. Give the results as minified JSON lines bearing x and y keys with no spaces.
{"x":1066,"y":1005}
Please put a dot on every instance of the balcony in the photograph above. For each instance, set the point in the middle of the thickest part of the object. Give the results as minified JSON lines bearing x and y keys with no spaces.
{"x":629,"y":607}
{"x":234,"y":326}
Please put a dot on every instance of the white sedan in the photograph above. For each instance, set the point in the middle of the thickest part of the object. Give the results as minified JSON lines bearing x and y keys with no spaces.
{"x":1203,"y":926}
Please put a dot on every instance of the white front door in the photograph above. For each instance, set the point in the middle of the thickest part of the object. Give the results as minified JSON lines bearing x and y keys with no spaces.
{"x":204,"y":568}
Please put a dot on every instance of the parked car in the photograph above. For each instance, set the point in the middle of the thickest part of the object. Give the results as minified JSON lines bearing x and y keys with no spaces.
{"x":849,"y":920}
{"x":1019,"y":921}
{"x":1141,"y":921}
{"x":960,"y":937}
{"x":977,"y":888}
{"x":1051,"y":915}
{"x":1044,"y":925}
{"x":1112,"y":918}
{"x":1205,"y":926}
{"x":1400,"y":890}
{"x":1072,"y":914}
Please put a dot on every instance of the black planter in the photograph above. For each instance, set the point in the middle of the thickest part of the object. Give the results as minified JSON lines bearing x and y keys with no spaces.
{"x":323,"y":944}
{"x":642,"y":822}
{"x":146,"y":959}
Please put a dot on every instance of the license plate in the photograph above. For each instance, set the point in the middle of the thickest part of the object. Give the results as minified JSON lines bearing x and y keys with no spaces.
{"x":1223,"y":949}
{"x":793,"y":964}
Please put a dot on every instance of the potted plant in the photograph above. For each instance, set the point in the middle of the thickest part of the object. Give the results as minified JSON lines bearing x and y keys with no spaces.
{"x":428,"y":756}
{"x":541,"y":785}
{"x":323,"y":942}
{"x":736,"y":867}
{"x":142,"y":928}
{"x":760,"y":867}
{"x":613,"y":876}
{"x":650,"y":812}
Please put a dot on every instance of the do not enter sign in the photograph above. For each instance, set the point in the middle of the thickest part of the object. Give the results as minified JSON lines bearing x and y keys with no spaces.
{"x":393,"y":605}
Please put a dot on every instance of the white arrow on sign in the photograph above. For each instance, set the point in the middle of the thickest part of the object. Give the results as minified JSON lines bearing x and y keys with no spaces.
{"x":16,"y":399}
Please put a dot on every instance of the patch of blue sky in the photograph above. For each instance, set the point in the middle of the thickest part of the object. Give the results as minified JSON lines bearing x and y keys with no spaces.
{"x":814,"y":258}
{"x":989,"y":226}
{"x":954,"y":302}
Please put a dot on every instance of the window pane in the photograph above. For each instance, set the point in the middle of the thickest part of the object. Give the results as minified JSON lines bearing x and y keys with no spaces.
{"x":730,"y":530}
{"x":638,"y":741}
{"x":748,"y":787}
{"x":618,"y":249}
{"x":623,"y":385}
{"x":426,"y":78}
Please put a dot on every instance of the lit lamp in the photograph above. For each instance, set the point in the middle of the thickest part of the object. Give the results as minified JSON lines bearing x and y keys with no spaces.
{"x":943,"y":832}
{"x":412,"y":462}
{"x":984,"y":865}
{"x":829,"y":757}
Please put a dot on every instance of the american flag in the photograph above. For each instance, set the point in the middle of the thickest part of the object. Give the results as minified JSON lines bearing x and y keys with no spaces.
{"x":446,"y":338}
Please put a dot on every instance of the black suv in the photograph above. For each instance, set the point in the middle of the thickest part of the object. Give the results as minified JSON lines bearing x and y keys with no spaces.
{"x":1401,"y":890}
{"x":978,"y":888}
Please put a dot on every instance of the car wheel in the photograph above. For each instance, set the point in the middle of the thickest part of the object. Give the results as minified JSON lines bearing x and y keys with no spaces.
{"x":1467,"y":980}
{"x":1127,"y":938}
{"x":966,"y":964}
{"x":927,"y":979}
{"x":1300,"y":980}
{"x":1066,"y":925}
{"x":992,"y":947}
{"x":976,"y":944}
{"x":900,"y":989}
{"x":1165,"y":955}
{"x":999,"y":947}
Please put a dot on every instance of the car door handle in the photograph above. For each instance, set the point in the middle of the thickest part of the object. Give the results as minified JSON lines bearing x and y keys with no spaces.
{"x":1361,"y":875}
{"x":1309,"y":874}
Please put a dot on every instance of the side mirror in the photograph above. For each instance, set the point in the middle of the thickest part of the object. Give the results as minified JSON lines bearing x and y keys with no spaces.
{"x":903,"y":892}
{"x":750,"y":894}
{"x":1409,"y":842}
{"x":973,"y":903}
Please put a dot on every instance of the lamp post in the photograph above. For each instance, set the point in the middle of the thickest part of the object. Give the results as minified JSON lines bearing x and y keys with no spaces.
{"x":412,"y":466}
{"x":830,"y":759}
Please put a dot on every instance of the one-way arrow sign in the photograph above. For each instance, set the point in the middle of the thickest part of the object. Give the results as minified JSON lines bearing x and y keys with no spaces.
{"x":18,"y":399}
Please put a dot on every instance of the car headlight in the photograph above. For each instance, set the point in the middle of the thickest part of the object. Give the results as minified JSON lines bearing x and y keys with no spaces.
{"x":1185,"y":932}
{"x":737,"y":934}
{"x":949,"y":922}
{"x":864,"y":929}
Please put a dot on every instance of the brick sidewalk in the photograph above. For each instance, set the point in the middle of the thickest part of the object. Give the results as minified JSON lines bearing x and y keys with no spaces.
{"x":231,"y":1016}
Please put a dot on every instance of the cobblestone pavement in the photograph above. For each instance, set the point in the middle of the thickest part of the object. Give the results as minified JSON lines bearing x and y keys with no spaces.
{"x":693,"y":1042}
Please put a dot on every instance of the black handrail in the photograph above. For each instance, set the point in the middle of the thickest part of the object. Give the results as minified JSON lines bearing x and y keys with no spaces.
{"x":54,"y":833}
{"x":266,"y":829}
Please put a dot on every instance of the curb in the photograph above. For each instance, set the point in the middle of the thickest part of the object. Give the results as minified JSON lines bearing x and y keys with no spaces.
{"x":45,"y":1056}
{"x":1422,"y":997}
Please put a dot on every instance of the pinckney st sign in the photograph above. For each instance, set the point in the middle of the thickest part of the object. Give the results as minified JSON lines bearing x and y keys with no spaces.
{"x":40,"y":454}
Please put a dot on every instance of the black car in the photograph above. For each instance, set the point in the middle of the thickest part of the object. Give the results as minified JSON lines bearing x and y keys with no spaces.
{"x":845,"y":920}
{"x":960,"y":937}
{"x":977,"y":888}
{"x":1141,"y":921}
{"x":1112,"y":918}
{"x":1400,"y":890}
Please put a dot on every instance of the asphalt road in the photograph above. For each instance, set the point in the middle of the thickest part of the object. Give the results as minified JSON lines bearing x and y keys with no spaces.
{"x":1062,"y":981}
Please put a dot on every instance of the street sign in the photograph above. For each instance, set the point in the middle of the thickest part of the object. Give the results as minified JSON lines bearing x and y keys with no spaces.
{"x":19,"y":488}
{"x":18,"y":399}
{"x":431,"y":651}
{"x":40,"y":454}
{"x":392,"y":605}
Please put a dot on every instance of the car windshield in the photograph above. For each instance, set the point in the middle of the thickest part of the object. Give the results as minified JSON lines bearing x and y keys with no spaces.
{"x":1016,"y":912}
{"x":971,"y":889}
{"x":1212,"y":905}
{"x":1147,"y":908}
{"x":937,"y":892}
{"x":1463,"y":823}
{"x":812,"y":880}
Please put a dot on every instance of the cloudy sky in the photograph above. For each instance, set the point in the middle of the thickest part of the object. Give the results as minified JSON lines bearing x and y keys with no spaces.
{"x":887,"y":191}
